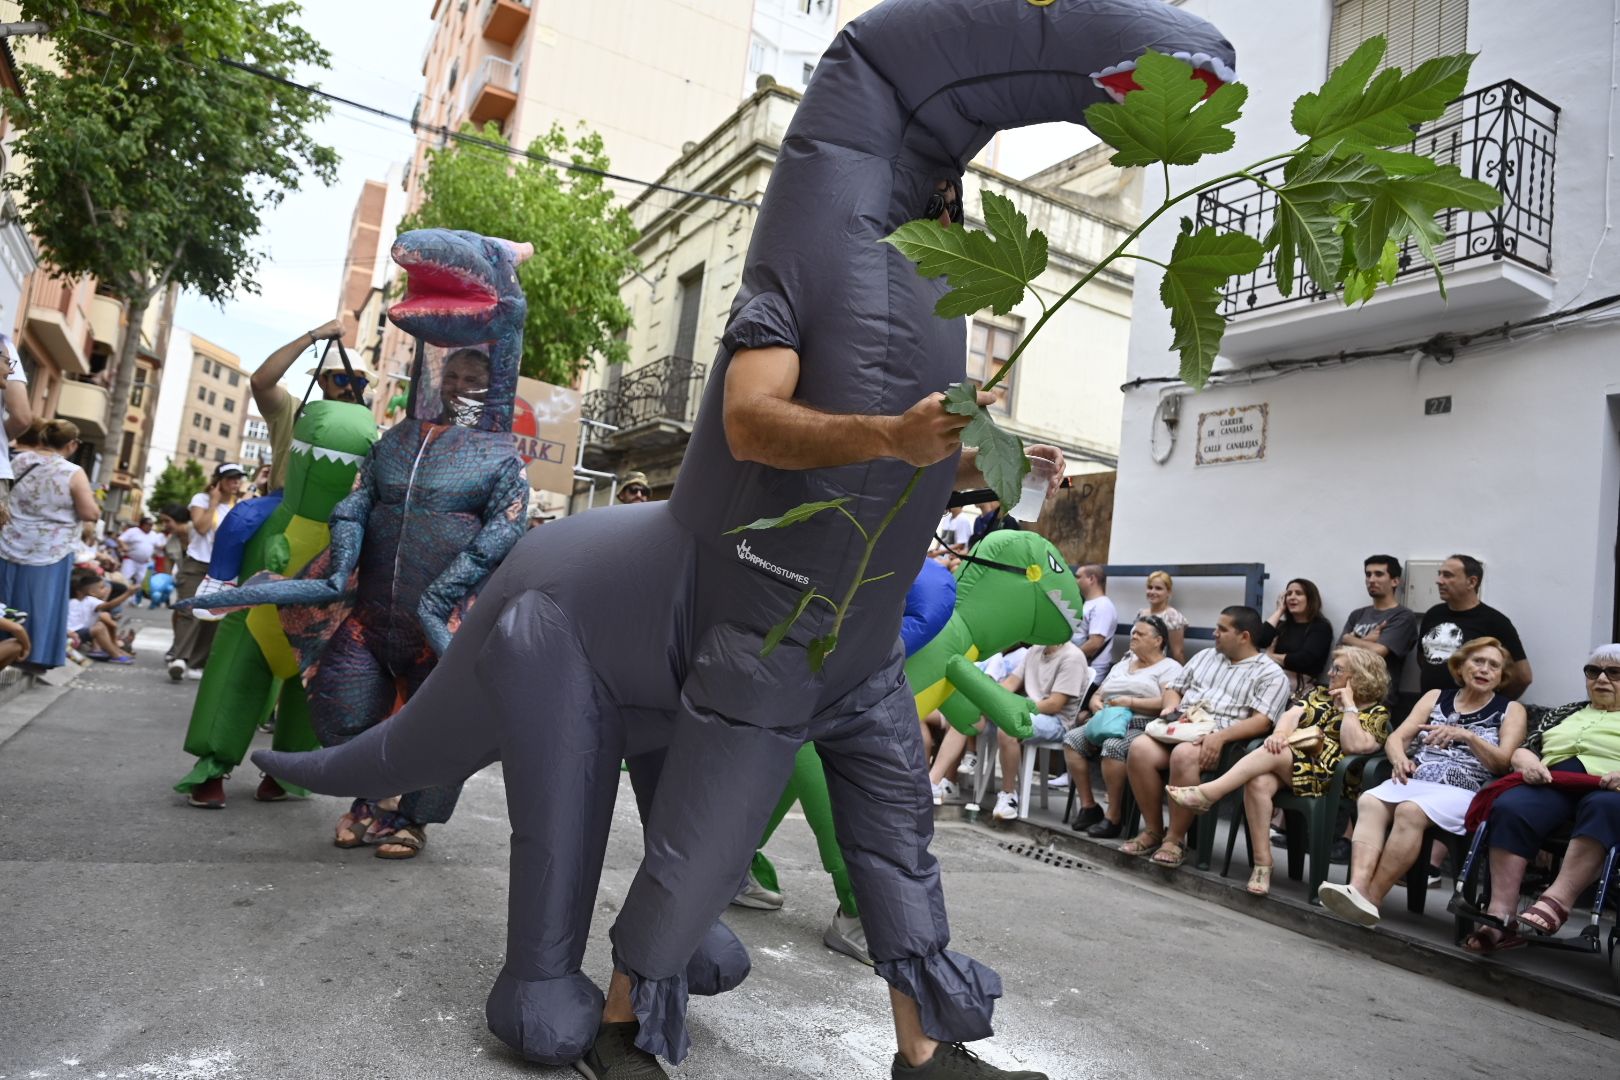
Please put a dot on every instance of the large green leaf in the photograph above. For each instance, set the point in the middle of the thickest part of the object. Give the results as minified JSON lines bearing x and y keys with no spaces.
{"x":802,"y":512}
{"x":1348,"y":113}
{"x":1200,"y":264}
{"x":1306,"y":225}
{"x":1405,"y":207}
{"x":984,"y":270}
{"x":1167,"y":119}
{"x":1001,"y":453}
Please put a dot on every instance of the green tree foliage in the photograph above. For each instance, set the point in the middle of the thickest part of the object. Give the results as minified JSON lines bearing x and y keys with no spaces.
{"x":176,"y":484}
{"x":149,"y":162}
{"x":581,"y":239}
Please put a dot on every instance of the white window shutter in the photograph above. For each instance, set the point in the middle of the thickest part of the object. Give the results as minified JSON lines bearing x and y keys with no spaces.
{"x":1416,"y":30}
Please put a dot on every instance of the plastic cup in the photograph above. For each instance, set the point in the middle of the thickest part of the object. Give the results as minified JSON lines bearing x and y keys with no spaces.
{"x":1033,"y":496}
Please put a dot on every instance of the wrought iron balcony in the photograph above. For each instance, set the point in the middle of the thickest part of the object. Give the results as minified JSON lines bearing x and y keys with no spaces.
{"x":666,"y":390}
{"x":1504,"y":134}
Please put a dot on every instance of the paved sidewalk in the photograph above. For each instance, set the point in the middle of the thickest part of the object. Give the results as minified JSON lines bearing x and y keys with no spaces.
{"x":147,"y":939}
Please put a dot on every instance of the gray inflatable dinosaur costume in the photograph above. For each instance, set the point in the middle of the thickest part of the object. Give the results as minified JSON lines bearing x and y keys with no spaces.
{"x":636,"y":631}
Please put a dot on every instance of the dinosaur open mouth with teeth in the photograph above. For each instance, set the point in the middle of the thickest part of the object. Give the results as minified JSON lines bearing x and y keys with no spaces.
{"x":1066,"y":608}
{"x":438,"y":289}
{"x":325,"y":453}
{"x":1120,"y":79}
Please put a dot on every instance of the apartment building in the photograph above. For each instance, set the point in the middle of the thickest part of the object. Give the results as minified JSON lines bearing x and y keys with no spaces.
{"x":255,"y":449}
{"x":203,"y":408}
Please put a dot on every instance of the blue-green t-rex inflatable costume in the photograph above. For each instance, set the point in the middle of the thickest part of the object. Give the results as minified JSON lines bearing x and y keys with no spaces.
{"x":441,"y":499}
{"x":636,"y":631}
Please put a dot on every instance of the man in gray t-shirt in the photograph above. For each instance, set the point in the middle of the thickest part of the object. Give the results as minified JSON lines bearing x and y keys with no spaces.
{"x":1384,"y":626}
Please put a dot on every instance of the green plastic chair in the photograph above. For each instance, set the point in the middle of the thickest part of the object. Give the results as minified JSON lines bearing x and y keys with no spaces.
{"x":1309,"y":824}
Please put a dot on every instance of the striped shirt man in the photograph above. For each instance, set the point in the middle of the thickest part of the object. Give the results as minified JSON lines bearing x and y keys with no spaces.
{"x":1230,"y":692}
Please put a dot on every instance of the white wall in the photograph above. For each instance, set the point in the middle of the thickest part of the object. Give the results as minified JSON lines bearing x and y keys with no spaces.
{"x":1524,"y":472}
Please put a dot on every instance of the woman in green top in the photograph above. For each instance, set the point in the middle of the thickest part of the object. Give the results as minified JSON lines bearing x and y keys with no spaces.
{"x":1583,"y":738}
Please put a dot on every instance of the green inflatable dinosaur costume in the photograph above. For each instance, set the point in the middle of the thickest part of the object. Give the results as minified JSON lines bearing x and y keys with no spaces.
{"x":252,"y":666}
{"x":1017,"y":589}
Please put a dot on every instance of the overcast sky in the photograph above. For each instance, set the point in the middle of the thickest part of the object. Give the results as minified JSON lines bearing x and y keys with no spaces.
{"x":376,"y":48}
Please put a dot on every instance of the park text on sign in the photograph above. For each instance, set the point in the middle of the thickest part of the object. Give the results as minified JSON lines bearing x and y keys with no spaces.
{"x":1235,"y":434}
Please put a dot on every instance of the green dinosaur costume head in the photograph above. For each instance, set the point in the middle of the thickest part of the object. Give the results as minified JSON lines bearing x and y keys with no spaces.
{"x":329,"y":441}
{"x":1021,"y":590}
{"x":1040,"y":605}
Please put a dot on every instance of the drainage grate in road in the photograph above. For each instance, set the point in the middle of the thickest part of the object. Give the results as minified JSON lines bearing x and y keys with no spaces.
{"x":1049,"y":856}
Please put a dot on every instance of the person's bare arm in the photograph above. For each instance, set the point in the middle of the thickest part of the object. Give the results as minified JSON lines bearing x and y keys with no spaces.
{"x":1368,"y":643}
{"x":1171,"y":701}
{"x":763,"y":423}
{"x":1054,"y":703}
{"x":1252,"y":726}
{"x":266,"y":379}
{"x":1093,"y":645}
{"x":19,"y":413}
{"x":85,"y":506}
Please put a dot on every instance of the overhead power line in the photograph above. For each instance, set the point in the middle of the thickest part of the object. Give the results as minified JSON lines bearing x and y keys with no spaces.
{"x":480,"y":141}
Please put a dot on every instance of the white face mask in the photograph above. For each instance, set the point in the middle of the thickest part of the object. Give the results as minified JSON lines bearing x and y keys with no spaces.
{"x":467,"y":411}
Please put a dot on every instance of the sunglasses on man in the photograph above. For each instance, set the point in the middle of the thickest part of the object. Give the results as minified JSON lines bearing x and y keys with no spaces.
{"x":637,"y":489}
{"x":1592,"y":671}
{"x":344,"y":381}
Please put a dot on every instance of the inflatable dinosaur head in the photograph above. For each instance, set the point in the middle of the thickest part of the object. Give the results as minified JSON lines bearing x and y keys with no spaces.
{"x":1028,"y":594}
{"x":329,"y":441}
{"x":462,"y":296}
{"x":937,"y":79}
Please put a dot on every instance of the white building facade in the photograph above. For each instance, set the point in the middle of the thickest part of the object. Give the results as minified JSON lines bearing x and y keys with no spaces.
{"x":1506,"y":446}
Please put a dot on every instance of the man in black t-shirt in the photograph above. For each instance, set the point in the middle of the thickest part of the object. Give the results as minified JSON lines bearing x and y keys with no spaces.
{"x":1462,"y":616}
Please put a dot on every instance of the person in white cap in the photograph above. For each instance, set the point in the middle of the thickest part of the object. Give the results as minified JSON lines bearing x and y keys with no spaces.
{"x":193,"y":638}
{"x":280,"y":409}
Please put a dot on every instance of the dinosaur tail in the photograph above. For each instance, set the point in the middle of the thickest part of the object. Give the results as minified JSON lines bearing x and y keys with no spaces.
{"x":439,"y":737}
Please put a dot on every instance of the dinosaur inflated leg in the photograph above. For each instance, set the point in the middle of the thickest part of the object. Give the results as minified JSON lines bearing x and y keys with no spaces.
{"x":884,"y":814}
{"x":235,"y":691}
{"x":541,"y":1004}
{"x":808,"y":788}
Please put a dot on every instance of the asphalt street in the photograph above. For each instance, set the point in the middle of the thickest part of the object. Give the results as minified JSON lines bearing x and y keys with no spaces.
{"x":143,"y":938}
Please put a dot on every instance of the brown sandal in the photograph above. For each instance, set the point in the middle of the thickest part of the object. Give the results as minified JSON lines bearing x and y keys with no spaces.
{"x":1490,"y":939}
{"x":1143,"y":843}
{"x":351,"y":831}
{"x":1170,"y":855}
{"x":1190,"y":798}
{"x":413,"y":838}
{"x":1545,"y":917}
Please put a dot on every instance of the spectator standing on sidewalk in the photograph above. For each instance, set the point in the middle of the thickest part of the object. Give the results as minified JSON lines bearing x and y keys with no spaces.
{"x":634,"y":488}
{"x":1385,"y":627}
{"x":1462,"y":616}
{"x":50,"y":497}
{"x":1099,"y":623}
{"x":192,"y":636}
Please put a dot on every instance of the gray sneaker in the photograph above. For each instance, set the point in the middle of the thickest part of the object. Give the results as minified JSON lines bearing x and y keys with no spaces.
{"x":615,"y":1056}
{"x":846,"y":935}
{"x":953,"y":1061}
{"x":754,"y":895}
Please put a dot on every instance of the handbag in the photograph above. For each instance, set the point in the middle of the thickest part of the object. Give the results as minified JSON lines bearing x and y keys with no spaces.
{"x":1307,"y":740}
{"x":1193,"y":724}
{"x":1109,"y":723}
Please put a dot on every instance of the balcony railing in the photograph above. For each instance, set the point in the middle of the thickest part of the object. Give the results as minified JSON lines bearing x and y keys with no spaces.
{"x":1503,"y":134}
{"x":667,"y":389}
{"x":492,"y":90}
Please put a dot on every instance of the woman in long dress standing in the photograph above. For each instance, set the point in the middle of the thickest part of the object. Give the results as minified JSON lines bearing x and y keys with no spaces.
{"x":50,"y":499}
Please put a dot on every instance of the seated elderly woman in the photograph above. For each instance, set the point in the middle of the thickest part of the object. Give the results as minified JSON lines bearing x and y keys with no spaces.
{"x":1450,"y":746}
{"x":1583,"y":741}
{"x":1135,"y":683}
{"x":1346,"y":716}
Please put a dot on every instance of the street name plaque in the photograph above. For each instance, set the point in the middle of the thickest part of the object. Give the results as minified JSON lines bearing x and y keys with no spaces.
{"x":1228,"y":436}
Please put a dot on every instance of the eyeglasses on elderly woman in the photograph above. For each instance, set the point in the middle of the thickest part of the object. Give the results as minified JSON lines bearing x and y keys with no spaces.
{"x":1593,"y":671}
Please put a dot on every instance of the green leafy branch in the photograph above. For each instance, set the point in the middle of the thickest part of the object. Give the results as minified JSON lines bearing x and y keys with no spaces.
{"x":1345,"y":205}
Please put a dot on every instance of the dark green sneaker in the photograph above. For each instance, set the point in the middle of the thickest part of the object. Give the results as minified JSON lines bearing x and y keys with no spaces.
{"x":953,"y":1061}
{"x":615,"y":1056}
